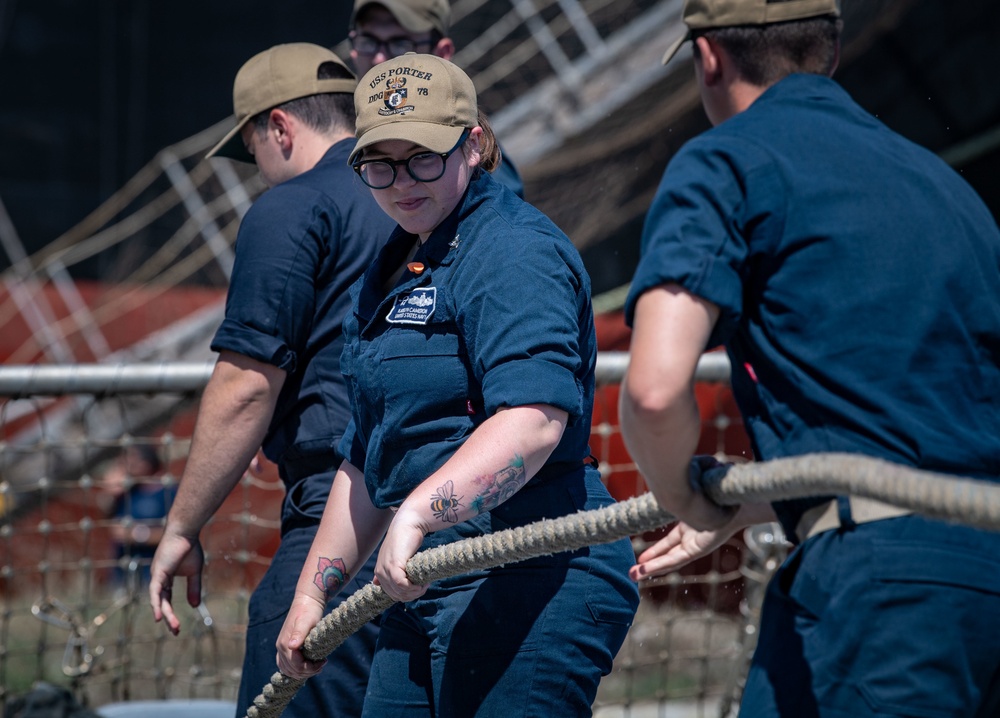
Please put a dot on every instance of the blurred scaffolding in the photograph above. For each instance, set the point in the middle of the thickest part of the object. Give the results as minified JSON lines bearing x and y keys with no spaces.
{"x":65,"y":619}
{"x":574,"y":88}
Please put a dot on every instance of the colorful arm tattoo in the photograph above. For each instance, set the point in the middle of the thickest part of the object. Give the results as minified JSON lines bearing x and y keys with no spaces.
{"x":500,"y":486}
{"x":331,"y":575}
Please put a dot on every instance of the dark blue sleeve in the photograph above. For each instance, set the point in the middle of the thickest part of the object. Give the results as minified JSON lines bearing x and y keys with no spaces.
{"x":169,"y":494}
{"x":693,"y":234}
{"x":520,"y":312}
{"x":271,"y":301}
{"x":350,"y":446}
{"x":508,"y":175}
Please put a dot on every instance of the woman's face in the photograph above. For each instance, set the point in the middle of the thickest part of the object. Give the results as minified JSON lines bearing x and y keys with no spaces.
{"x":419,"y":207}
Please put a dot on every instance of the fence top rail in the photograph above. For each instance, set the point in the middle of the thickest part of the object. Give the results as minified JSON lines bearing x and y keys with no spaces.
{"x":133,"y":378}
{"x":185,"y":377}
{"x":713,"y":367}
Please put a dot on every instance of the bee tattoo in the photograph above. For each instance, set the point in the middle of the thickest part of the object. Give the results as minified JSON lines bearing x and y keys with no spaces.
{"x":444,"y":503}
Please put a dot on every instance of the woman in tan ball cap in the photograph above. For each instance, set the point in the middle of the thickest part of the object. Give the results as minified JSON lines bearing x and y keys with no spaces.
{"x":470,"y":359}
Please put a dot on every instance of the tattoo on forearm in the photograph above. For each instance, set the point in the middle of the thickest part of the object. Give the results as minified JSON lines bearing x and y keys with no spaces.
{"x":330,"y":576}
{"x":500,"y":486}
{"x":445,"y":504}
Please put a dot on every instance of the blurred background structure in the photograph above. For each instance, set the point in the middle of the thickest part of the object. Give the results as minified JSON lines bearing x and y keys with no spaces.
{"x":116,"y":243}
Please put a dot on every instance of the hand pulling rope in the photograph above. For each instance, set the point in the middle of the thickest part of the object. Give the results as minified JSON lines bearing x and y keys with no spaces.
{"x":942,"y":496}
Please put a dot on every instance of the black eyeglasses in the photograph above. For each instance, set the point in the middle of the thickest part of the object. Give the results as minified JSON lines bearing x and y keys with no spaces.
{"x":423,"y":167}
{"x":365,"y":44}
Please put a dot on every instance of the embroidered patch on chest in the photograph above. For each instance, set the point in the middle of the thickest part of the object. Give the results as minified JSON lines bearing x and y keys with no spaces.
{"x":413,"y":308}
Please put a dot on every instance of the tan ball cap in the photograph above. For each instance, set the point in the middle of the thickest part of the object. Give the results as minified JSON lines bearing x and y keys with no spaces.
{"x":421,"y":99}
{"x":274,"y":77}
{"x":413,"y":15}
{"x":709,"y":14}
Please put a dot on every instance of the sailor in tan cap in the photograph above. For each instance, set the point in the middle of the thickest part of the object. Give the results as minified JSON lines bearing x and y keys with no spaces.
{"x":384,"y":29}
{"x":471,"y":353}
{"x":854,"y":279}
{"x":277,"y":383}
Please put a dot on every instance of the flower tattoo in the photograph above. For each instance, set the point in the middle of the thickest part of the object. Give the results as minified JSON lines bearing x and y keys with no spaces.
{"x":331,"y":575}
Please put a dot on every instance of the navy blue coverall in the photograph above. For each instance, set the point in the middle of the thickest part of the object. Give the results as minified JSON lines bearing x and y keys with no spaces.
{"x":299,"y":248}
{"x":499,"y":316}
{"x":858,"y":283}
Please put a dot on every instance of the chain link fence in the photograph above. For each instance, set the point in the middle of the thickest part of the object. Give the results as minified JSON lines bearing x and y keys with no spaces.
{"x":77,"y":534}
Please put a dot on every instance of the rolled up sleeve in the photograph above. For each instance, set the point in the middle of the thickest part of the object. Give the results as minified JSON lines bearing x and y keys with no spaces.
{"x":271,"y":299}
{"x":523,"y":327}
{"x":692,"y":235}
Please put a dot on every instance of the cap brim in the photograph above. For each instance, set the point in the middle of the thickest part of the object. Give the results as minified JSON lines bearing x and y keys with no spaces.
{"x":232,"y":147}
{"x":676,"y":46}
{"x":433,"y":136}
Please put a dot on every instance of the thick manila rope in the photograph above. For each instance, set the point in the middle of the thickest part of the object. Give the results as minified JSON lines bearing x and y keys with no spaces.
{"x":941,"y":496}
{"x":971,"y":502}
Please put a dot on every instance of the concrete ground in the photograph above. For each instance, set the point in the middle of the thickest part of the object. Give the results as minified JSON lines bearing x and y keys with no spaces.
{"x":672,"y":709}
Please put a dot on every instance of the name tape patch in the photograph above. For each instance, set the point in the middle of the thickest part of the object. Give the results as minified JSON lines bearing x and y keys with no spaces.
{"x":413,"y":308}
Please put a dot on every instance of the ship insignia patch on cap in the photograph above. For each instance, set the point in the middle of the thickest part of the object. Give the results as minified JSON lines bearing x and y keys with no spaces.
{"x":395,"y":97}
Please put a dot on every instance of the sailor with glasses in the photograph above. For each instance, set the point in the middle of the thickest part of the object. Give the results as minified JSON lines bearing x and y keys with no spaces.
{"x":423,"y":167}
{"x":366,"y":45}
{"x":384,"y":29}
{"x":469,"y":356}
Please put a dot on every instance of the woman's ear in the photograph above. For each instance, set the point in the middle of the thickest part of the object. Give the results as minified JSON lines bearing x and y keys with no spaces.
{"x":473,"y":148}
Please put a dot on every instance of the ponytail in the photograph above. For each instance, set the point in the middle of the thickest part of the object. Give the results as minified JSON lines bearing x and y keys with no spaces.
{"x":489,"y":150}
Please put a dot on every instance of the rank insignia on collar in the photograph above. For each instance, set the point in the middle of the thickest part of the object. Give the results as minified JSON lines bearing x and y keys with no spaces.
{"x":415,"y":307}
{"x":454,"y":243}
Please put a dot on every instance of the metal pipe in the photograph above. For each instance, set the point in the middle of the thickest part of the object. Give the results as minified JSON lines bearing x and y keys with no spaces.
{"x":58,"y":379}
{"x":712,"y":367}
{"x":186,"y":377}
